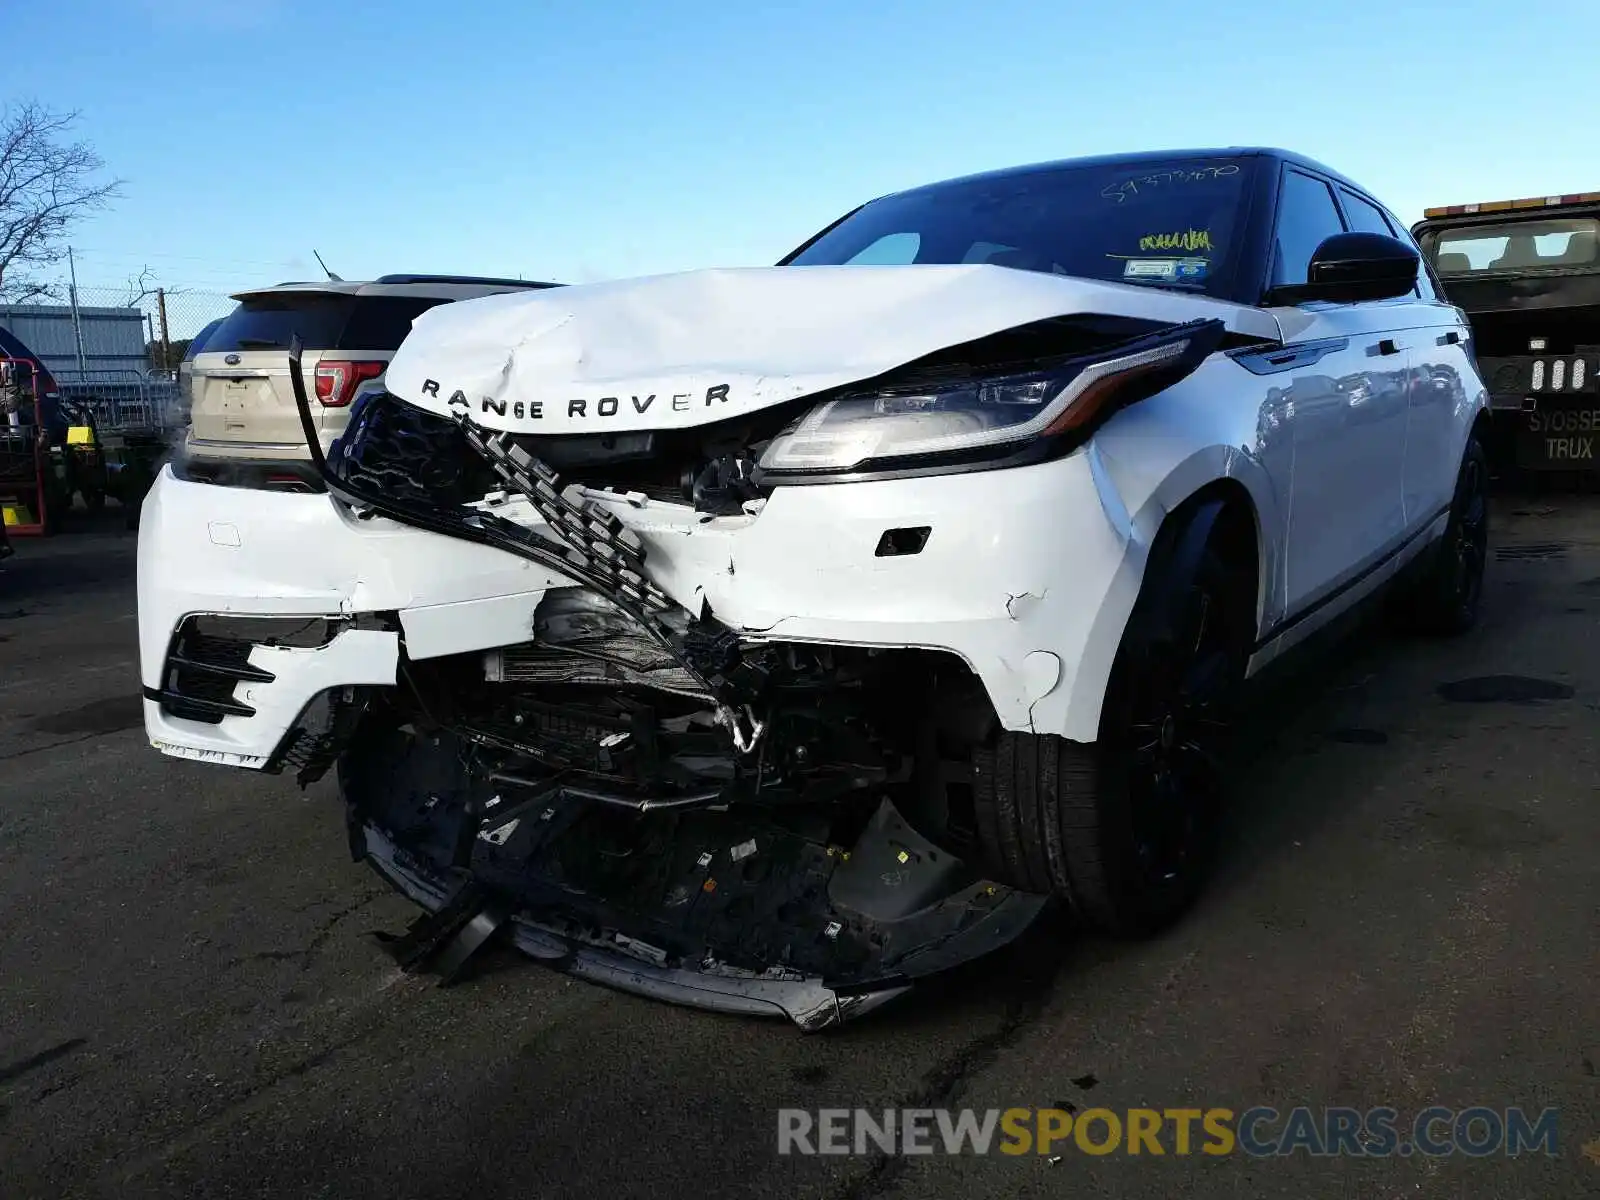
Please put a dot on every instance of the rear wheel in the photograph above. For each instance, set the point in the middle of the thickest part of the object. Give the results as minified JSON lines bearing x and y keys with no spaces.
{"x":1124,"y":829}
{"x":1445,"y":598}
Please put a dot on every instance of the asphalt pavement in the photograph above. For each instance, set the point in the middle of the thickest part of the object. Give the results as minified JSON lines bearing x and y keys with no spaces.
{"x":191,"y":1002}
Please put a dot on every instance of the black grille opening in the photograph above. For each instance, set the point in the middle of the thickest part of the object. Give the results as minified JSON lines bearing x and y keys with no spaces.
{"x":400,"y":453}
{"x":397,"y":452}
{"x":210,"y":657}
{"x":203,"y":670}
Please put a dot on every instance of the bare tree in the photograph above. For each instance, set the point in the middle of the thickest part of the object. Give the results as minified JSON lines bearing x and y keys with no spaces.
{"x":47,"y":184}
{"x":139,"y":286}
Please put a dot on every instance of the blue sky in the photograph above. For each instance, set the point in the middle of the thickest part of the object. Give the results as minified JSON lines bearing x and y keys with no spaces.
{"x":583,"y":141}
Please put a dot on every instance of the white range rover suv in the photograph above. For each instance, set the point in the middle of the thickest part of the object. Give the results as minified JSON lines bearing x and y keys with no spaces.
{"x":769,"y":639}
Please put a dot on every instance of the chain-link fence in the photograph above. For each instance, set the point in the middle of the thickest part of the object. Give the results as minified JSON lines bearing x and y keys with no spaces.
{"x":169,"y":318}
{"x":117,"y":351}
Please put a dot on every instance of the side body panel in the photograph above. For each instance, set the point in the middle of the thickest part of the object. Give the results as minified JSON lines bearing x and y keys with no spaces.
{"x":1447,"y":394}
{"x":1348,"y":422}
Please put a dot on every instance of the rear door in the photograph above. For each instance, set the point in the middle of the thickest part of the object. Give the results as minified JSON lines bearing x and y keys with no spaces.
{"x":1441,"y":377}
{"x":1346,"y":412}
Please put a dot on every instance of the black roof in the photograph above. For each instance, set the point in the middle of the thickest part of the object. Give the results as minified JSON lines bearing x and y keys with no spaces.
{"x":1146,"y":156}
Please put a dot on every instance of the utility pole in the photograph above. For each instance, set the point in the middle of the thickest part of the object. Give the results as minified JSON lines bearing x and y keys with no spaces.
{"x":166,"y":344}
{"x":77,"y":322}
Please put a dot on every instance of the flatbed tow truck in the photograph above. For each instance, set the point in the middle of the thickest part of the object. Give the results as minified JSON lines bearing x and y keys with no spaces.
{"x":1527,"y":274}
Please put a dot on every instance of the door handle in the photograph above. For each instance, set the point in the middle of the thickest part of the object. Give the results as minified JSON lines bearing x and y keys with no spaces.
{"x":1451,"y":338}
{"x":1387,"y":346}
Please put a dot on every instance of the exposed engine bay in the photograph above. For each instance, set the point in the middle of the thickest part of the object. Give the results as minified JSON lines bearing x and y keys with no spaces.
{"x":581,"y":786}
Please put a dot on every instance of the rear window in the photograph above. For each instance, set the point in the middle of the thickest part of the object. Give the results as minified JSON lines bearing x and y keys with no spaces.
{"x":382,"y":322}
{"x":323,"y":321}
{"x":1569,"y":242}
{"x":1164,"y":225}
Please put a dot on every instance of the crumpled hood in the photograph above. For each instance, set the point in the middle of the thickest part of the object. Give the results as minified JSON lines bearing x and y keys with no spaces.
{"x":686,"y":349}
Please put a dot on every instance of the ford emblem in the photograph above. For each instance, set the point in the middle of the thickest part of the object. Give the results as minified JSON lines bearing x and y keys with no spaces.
{"x":232,"y":360}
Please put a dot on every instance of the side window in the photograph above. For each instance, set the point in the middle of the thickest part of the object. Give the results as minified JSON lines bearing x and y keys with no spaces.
{"x":1306,"y":215}
{"x":1429,"y":285}
{"x":1364,"y":216}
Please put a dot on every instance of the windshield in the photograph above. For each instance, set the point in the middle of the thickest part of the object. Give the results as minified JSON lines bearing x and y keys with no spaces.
{"x":1164,"y":225}
{"x":1569,"y":242}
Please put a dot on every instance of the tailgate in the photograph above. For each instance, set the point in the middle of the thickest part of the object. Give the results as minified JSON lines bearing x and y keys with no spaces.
{"x":250,"y":401}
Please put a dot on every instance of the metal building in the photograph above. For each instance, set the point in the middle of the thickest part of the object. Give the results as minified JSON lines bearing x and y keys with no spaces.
{"x":99,"y":361}
{"x":112,"y":339}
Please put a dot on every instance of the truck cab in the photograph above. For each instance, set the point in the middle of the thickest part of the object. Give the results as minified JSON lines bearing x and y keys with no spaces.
{"x":1527,"y":274}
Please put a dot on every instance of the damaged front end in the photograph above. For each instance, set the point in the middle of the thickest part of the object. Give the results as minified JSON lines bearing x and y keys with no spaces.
{"x":638,"y":794}
{"x":718,"y":746}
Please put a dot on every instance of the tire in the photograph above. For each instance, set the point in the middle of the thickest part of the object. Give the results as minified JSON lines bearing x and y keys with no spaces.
{"x":1124,"y":830}
{"x":1445,"y":599}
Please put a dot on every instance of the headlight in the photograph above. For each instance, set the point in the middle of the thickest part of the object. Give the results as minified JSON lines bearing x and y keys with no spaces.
{"x":899,"y":426}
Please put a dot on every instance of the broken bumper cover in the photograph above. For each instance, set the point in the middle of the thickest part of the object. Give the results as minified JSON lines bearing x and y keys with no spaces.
{"x":961,"y":925}
{"x":1026,"y":574}
{"x":274,"y":561}
{"x":809,"y":1003}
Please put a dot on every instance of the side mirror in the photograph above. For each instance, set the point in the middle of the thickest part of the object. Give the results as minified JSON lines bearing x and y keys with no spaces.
{"x":1349,"y":267}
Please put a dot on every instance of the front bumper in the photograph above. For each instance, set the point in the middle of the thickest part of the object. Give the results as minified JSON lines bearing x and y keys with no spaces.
{"x":810,"y":1001}
{"x":1025,"y":575}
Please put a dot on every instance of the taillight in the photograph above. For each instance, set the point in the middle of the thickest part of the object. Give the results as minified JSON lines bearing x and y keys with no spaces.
{"x":336,"y":382}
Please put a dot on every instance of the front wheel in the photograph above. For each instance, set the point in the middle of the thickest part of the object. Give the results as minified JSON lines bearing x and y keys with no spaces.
{"x":1124,"y":830}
